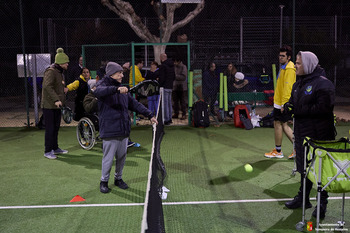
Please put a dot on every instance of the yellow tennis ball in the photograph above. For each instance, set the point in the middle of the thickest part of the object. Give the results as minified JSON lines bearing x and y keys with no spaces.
{"x":248,"y":167}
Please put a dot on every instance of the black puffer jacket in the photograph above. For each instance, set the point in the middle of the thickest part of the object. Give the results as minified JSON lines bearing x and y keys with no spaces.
{"x":313,"y":100}
{"x":167,"y":74}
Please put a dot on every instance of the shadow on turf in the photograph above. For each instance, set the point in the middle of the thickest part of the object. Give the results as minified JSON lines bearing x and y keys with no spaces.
{"x":236,"y":174}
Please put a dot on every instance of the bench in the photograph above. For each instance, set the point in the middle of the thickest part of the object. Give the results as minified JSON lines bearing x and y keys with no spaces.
{"x":250,"y":97}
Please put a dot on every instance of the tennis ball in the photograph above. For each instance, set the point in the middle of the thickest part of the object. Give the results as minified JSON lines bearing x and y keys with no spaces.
{"x":248,"y":167}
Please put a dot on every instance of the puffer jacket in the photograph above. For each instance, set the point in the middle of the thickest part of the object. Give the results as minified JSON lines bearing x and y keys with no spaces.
{"x":313,"y":98}
{"x":114,"y":120}
{"x":53,"y":87}
{"x":166,"y":74}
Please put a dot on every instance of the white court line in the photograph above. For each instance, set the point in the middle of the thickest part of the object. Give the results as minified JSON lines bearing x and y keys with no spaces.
{"x":164,"y":203}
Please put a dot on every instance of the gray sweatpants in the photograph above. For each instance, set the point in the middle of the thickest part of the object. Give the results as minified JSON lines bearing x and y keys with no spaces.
{"x":113,"y":147}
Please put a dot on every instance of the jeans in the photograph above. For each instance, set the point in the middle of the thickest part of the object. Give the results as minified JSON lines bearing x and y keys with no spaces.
{"x":167,"y":105}
{"x":153,"y":103}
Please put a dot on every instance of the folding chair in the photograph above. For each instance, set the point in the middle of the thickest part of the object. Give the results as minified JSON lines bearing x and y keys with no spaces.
{"x":329,"y":168}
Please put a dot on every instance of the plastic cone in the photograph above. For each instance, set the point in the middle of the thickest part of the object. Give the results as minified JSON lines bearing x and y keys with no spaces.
{"x":77,"y":198}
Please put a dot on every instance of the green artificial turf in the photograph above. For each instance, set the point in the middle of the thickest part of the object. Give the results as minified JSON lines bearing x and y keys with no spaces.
{"x":203,"y":166}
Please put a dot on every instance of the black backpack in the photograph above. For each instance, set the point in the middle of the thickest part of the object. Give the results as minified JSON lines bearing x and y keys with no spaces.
{"x":200,"y":115}
{"x":267,"y":121}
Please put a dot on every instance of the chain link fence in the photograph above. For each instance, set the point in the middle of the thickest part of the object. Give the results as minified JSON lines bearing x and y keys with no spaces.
{"x":241,"y":35}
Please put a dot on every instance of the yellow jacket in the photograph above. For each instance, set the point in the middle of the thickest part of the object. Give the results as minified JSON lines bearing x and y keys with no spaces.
{"x":285,"y":82}
{"x":138,"y":76}
{"x":75,"y":85}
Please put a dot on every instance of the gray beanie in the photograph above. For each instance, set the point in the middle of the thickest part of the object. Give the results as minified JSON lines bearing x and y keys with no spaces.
{"x":113,"y":68}
{"x":310,"y":61}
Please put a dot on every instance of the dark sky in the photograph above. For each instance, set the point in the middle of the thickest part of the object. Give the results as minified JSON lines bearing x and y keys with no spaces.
{"x":215,"y":9}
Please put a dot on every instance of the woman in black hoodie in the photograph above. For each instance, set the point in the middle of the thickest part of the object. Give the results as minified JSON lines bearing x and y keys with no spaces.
{"x":312,"y":99}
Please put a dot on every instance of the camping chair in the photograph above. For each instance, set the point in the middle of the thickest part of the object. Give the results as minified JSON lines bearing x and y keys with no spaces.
{"x":329,"y":168}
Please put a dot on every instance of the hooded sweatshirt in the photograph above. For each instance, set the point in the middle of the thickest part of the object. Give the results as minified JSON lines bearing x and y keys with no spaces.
{"x":310,"y":61}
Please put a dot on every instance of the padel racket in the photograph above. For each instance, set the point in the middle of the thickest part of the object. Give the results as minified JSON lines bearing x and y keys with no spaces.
{"x":146,"y":88}
{"x":67,"y":114}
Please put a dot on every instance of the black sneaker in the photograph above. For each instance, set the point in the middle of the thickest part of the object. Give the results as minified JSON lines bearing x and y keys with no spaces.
{"x":121,"y":184}
{"x":297,"y":202}
{"x":104,"y":187}
{"x":130,"y":144}
{"x":323,"y":210}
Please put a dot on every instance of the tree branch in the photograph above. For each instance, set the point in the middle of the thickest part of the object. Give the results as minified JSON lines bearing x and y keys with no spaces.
{"x":126,"y":12}
{"x":189,"y":17}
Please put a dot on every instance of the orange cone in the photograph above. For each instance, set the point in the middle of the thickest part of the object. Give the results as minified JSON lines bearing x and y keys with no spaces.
{"x":77,"y":198}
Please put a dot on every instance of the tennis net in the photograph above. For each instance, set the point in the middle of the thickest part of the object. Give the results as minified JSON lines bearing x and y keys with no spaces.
{"x":153,"y":218}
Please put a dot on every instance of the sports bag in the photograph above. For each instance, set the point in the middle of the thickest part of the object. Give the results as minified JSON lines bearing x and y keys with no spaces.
{"x":238,"y":111}
{"x":267,"y":121}
{"x":200,"y":115}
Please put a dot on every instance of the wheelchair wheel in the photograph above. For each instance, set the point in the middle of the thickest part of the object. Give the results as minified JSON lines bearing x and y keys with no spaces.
{"x":86,"y":133}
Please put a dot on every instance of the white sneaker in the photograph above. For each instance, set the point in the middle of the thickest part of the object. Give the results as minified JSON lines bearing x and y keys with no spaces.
{"x":60,"y":151}
{"x":50,"y":155}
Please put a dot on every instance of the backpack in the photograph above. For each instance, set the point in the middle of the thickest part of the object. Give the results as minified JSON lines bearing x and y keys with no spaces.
{"x":241,"y":111}
{"x":267,"y":121}
{"x":200,"y":115}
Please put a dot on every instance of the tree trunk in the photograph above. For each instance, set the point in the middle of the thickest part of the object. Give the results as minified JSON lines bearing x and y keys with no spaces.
{"x":158,"y":49}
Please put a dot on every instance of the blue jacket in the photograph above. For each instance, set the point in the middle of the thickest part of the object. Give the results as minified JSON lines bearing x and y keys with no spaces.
{"x":114,"y":119}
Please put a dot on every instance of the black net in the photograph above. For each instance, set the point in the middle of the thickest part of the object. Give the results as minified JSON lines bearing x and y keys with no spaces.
{"x":154,"y":217}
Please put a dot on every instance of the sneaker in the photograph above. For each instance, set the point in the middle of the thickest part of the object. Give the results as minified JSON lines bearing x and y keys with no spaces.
{"x":50,"y":155}
{"x":104,"y":187}
{"x":297,"y":202}
{"x":292,"y":155}
{"x":121,"y":184}
{"x":274,"y":154}
{"x":60,"y":151}
{"x":130,"y":144}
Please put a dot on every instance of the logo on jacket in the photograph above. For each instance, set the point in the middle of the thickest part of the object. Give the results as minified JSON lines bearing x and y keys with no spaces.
{"x":308,"y":90}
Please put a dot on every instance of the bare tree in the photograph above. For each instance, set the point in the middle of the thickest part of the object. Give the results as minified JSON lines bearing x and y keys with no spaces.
{"x":167,"y":26}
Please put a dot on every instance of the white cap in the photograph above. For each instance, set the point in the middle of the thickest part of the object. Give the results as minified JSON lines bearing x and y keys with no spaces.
{"x":239,"y":75}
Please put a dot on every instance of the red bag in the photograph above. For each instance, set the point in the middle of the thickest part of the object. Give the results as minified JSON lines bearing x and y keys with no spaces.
{"x":269,"y":96}
{"x":240,"y":110}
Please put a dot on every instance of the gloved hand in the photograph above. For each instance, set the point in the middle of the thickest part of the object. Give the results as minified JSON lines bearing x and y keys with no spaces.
{"x":289,"y":108}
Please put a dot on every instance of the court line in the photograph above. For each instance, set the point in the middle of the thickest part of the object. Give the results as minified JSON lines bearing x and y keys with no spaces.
{"x":164,"y":203}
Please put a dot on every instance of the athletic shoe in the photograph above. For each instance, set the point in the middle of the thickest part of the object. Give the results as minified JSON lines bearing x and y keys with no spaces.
{"x":121,"y":184}
{"x":274,"y":154}
{"x":297,"y":202}
{"x":104,"y":187}
{"x":130,"y":144}
{"x":292,"y":155}
{"x":60,"y":151}
{"x":50,"y":155}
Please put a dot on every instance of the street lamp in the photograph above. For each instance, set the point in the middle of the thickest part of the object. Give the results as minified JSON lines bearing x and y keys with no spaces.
{"x":281,"y":6}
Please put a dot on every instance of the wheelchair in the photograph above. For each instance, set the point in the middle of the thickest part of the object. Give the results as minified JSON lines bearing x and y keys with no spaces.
{"x":88,"y":131}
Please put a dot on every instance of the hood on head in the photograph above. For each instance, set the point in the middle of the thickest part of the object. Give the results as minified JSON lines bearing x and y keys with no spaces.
{"x":310,"y":61}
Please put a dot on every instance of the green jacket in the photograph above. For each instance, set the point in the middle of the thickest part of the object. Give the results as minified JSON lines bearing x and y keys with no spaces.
{"x":90,"y":103}
{"x":53,"y":87}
